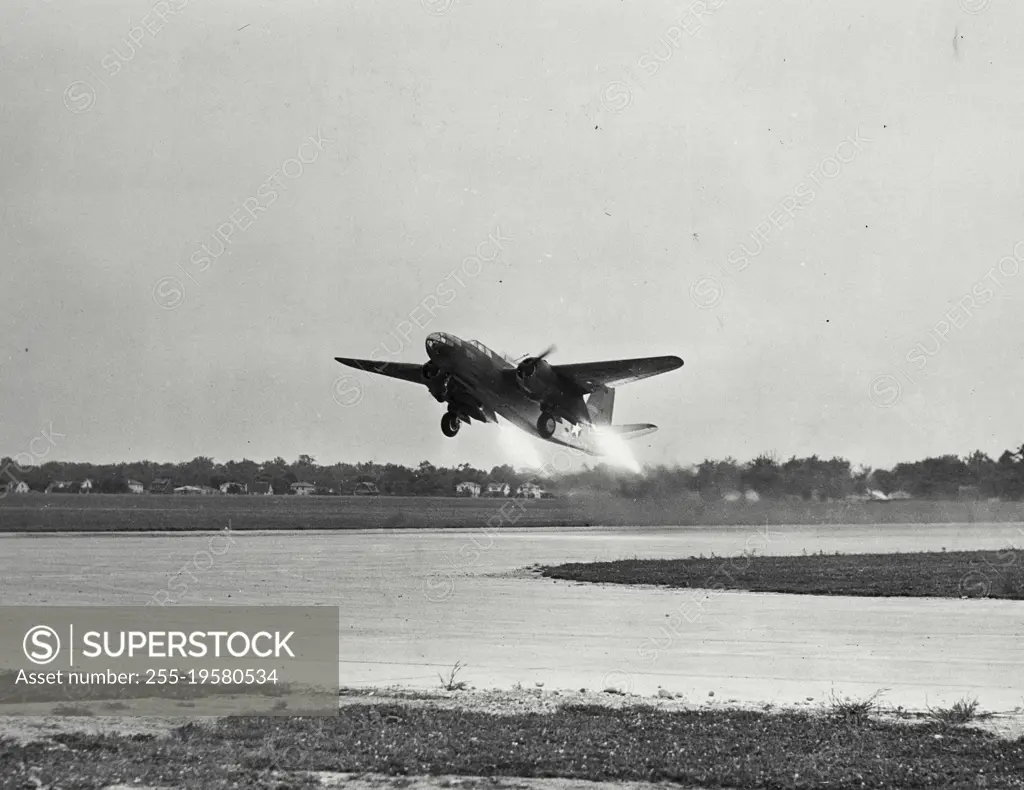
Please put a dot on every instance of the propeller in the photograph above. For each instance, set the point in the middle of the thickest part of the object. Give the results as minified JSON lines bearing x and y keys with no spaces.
{"x":529,"y":365}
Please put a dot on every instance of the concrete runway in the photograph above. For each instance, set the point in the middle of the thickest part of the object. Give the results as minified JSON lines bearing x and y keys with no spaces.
{"x":412,"y":603}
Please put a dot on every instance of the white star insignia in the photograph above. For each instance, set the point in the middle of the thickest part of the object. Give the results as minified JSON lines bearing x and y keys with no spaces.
{"x":575,"y":430}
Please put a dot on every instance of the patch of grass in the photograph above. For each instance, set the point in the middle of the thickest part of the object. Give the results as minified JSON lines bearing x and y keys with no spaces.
{"x":713,"y":748}
{"x":152,"y":512}
{"x":963,"y":711}
{"x":949,"y":574}
{"x":851,"y":709}
{"x":450,"y":683}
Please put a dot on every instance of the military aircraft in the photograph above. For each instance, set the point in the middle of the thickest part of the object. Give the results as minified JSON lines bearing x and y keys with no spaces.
{"x":542,"y":399}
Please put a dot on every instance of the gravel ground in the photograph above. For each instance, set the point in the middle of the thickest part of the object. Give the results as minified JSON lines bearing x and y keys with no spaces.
{"x":538,"y":699}
{"x":1007,"y":724}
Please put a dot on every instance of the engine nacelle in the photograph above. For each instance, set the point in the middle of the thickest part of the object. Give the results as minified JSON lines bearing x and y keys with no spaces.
{"x":430,"y":370}
{"x":536,"y":378}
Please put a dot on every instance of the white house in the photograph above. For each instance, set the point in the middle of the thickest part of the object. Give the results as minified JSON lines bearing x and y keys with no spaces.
{"x":196,"y":490}
{"x":497,"y":489}
{"x":21,"y":487}
{"x":135,"y":487}
{"x":302,"y":489}
{"x":85,"y":487}
{"x":530,"y":491}
{"x":467,"y":488}
{"x":234,"y":488}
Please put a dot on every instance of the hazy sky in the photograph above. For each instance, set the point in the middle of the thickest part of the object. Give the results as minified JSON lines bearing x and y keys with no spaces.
{"x":665,"y":180}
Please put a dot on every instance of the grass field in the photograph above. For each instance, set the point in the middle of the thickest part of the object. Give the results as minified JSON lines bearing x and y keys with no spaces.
{"x":123,"y":512}
{"x":709,"y":748}
{"x":954,"y":574}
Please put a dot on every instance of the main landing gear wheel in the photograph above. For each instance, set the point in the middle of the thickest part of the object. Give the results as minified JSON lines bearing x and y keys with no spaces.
{"x":450,"y":423}
{"x":546,"y":425}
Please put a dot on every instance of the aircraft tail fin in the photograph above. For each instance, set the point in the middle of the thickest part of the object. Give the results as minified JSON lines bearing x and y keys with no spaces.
{"x":600,"y":405}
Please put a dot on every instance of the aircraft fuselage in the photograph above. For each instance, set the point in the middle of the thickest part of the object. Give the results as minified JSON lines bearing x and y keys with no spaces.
{"x":489,"y":378}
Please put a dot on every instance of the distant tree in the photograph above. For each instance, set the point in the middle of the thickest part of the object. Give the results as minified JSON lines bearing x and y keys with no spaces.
{"x":884,"y":481}
{"x":714,"y":478}
{"x":109,"y":484}
{"x":1008,"y":480}
{"x":983,"y":472}
{"x":933,"y":477}
{"x":763,"y":475}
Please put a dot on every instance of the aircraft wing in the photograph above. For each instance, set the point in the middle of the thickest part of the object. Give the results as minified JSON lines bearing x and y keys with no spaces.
{"x":408,"y":371}
{"x":588,"y":376}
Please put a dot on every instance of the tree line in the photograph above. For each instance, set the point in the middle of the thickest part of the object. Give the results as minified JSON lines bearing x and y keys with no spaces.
{"x":947,"y":476}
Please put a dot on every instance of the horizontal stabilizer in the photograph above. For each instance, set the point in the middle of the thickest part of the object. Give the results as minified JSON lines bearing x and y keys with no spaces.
{"x":632,"y":431}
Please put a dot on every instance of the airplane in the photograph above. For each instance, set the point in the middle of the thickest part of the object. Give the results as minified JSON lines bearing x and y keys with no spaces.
{"x":542,"y":399}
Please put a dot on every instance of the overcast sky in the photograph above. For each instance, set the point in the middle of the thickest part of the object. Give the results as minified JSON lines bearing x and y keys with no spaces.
{"x":663,"y":180}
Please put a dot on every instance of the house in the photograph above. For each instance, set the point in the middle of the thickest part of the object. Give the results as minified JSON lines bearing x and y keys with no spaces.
{"x":234,"y":488}
{"x":85,"y":487}
{"x":302,"y":489}
{"x":161,"y":485}
{"x":135,"y":487}
{"x":21,"y":487}
{"x":366,"y":489}
{"x":195,"y":490}
{"x":497,"y":489}
{"x":262,"y":487}
{"x":530,"y":491}
{"x":467,"y":488}
{"x":751,"y":495}
{"x":60,"y":487}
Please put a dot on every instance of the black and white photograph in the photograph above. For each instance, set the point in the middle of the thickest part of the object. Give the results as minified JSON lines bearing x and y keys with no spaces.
{"x":446,"y":395}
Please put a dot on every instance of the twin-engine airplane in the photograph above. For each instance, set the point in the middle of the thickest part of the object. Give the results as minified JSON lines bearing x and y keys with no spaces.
{"x":541,"y":398}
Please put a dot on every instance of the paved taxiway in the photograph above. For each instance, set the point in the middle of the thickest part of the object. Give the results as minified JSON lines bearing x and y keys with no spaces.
{"x":412,"y":603}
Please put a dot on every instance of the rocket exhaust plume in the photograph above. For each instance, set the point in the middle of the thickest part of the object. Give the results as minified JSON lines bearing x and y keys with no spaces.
{"x":518,"y":446}
{"x":615,"y":449}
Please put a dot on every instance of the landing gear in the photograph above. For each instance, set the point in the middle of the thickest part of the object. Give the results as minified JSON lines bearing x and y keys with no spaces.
{"x":546,"y":425}
{"x":450,"y":423}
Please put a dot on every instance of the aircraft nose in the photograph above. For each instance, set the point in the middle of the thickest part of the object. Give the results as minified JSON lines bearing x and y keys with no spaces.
{"x":435,"y":342}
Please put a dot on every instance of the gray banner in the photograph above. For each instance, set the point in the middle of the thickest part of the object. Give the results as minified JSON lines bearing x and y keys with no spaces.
{"x":169,"y":660}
